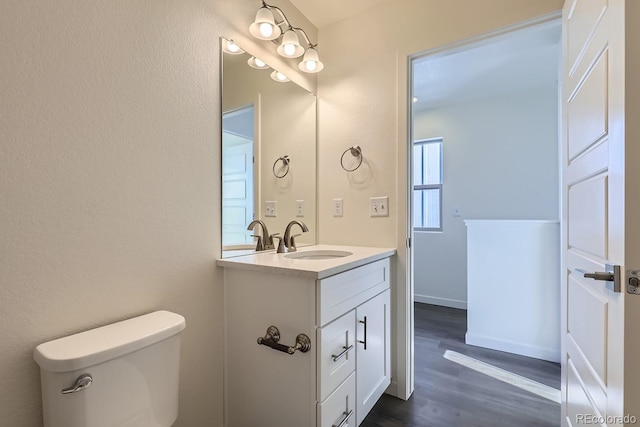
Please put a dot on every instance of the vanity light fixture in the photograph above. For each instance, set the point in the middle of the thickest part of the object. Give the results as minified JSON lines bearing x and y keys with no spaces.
{"x":230,"y":47}
{"x":290,"y":45}
{"x":257,"y":63}
{"x":310,"y":62}
{"x":279,"y":77}
{"x":265,"y":27}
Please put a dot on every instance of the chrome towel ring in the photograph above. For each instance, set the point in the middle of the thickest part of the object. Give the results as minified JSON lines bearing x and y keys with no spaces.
{"x":355,"y":151}
{"x":285,"y":166}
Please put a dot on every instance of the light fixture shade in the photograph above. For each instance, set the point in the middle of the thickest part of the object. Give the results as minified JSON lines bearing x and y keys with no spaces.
{"x":228,"y":46}
{"x":279,"y":77}
{"x":290,"y":45}
{"x":264,"y":27}
{"x":257,"y":63}
{"x":310,"y":62}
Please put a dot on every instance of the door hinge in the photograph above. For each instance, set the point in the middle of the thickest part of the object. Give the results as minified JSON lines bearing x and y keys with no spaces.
{"x":408,"y":243}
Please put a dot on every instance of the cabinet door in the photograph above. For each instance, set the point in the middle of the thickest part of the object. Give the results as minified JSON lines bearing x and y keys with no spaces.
{"x":373,"y":373}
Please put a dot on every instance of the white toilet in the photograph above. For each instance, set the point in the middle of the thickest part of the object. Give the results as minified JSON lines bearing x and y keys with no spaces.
{"x":120,"y":375}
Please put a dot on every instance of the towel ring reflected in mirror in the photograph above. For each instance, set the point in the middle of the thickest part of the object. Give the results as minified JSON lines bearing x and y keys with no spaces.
{"x":355,"y":151}
{"x":283,"y":170}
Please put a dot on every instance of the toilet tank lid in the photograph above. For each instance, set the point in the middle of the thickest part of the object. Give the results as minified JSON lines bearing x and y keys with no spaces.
{"x":108,"y":342}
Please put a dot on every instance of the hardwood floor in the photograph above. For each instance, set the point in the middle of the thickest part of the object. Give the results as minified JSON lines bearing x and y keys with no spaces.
{"x":447,"y":394}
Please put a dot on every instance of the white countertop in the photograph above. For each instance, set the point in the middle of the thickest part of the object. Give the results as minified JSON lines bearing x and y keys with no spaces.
{"x":272,"y":262}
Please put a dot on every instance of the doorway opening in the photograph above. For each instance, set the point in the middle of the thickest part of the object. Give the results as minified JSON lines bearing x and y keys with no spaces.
{"x":493,"y":102}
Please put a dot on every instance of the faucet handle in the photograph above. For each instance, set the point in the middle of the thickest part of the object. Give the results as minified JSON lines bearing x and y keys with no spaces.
{"x":281,"y":245}
{"x":268,"y":241}
{"x":259,"y":244}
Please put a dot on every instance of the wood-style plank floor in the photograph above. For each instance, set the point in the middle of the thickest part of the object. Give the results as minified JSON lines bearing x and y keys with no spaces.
{"x":448,"y":394}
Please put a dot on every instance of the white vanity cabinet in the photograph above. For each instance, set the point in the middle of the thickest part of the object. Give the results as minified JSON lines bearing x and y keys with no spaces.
{"x":347,"y":368}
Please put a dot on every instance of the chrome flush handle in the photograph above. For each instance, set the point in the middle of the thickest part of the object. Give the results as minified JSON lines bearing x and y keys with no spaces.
{"x":83,"y":382}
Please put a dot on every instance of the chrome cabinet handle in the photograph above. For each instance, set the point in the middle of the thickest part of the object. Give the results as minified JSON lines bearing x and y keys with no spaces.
{"x":338,"y":356}
{"x":347,"y":415}
{"x":365,"y":332}
{"x":83,"y":382}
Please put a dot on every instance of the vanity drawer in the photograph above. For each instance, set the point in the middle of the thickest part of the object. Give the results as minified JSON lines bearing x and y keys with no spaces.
{"x":336,"y":353}
{"x":339,"y":409}
{"x":341,"y":293}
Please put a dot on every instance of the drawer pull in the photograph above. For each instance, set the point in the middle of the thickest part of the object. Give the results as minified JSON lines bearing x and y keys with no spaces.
{"x":347,"y":415}
{"x":338,"y":356}
{"x":303,"y":343}
{"x":365,"y":332}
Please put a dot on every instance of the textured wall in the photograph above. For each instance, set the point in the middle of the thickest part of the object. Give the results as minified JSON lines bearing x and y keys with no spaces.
{"x":110,"y":181}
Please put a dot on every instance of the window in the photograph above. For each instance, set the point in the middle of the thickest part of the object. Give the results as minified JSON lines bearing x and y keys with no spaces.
{"x":427,"y":185}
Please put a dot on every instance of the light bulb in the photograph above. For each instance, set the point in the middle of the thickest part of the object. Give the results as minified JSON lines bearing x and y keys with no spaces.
{"x":289,"y":49}
{"x":281,"y":76}
{"x":310,"y":62}
{"x":311,"y":65}
{"x":260,"y":63}
{"x":266,"y":29}
{"x":232,"y":46}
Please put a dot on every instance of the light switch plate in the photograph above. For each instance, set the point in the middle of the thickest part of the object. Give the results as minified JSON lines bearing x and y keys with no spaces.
{"x":270,"y":208}
{"x":379,"y":206}
{"x":456,"y":211}
{"x":299,"y":208}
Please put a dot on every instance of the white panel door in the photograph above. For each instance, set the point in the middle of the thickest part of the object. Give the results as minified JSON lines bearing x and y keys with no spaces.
{"x":237,"y":190}
{"x":596,"y":343}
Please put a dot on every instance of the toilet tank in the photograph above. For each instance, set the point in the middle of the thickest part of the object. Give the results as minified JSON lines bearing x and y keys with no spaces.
{"x":134,"y":369}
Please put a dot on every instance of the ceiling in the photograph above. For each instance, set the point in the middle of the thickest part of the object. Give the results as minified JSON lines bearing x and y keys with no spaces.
{"x":326,"y":12}
{"x":515,"y":62}
{"x":518,"y":61}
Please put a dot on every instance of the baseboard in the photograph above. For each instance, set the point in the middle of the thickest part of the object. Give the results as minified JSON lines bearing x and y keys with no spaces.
{"x":552,"y":355}
{"x":445,"y":302}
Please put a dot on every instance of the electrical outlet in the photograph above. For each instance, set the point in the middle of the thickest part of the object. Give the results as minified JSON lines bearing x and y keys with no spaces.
{"x":270,"y":208}
{"x":379,"y":206}
{"x":336,"y":207}
{"x":300,"y":208}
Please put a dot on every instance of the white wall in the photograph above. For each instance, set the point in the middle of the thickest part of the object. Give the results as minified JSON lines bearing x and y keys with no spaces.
{"x":363,"y":100}
{"x":110,"y":181}
{"x":500,"y":161}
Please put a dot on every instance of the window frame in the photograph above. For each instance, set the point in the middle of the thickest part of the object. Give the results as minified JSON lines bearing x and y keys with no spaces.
{"x":428,"y":186}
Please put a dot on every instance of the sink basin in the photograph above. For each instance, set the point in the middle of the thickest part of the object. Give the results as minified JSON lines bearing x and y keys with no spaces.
{"x":318,"y":254}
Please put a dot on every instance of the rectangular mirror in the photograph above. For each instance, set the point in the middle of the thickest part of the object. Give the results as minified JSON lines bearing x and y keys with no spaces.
{"x":268,"y":154}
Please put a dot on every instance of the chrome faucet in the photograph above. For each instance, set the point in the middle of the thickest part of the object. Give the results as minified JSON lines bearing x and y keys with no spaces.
{"x":266,"y":240}
{"x":288,"y":243}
